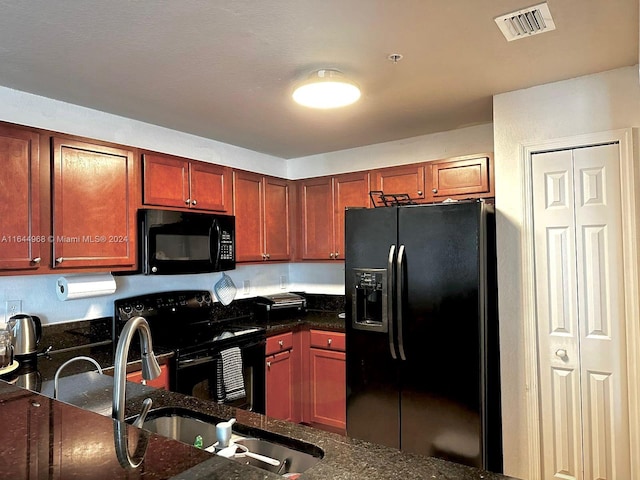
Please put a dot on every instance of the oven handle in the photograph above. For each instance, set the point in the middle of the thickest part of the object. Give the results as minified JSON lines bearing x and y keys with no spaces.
{"x":192,"y":362}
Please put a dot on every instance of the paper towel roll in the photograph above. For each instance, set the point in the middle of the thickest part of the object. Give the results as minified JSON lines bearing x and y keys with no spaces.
{"x":82,"y":286}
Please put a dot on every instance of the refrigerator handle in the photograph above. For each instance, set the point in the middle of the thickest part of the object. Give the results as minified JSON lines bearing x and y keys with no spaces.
{"x":390,"y":302}
{"x":399,"y":299}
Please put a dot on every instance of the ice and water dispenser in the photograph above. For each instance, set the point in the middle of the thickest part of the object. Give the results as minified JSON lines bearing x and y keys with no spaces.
{"x":369,"y":309}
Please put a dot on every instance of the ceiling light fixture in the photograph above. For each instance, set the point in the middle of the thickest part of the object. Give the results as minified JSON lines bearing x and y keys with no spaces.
{"x":326,"y":89}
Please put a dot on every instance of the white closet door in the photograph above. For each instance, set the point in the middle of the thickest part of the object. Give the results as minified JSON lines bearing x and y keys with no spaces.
{"x":578,"y":250}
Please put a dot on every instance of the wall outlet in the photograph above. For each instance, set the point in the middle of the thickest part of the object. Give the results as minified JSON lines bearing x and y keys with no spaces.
{"x":246,"y":287}
{"x":283,"y":282}
{"x":13,"y":307}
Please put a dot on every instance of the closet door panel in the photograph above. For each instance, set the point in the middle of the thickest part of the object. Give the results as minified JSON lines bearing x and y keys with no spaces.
{"x":557,"y":315}
{"x":602,"y":319}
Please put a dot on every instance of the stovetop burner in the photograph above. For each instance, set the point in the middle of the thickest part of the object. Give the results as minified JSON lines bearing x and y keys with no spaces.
{"x":181,"y":321}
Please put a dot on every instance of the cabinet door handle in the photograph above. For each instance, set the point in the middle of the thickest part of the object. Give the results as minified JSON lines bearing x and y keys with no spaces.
{"x":59,"y":260}
{"x":36,"y":260}
{"x":329,"y":342}
{"x":267,"y":256}
{"x":281,"y":343}
{"x":337,"y":254}
{"x":420,"y":192}
{"x":268,"y":364}
{"x":187,"y":201}
{"x":435,"y":190}
{"x":194,"y":202}
{"x":264,"y":256}
{"x":331,"y":255}
{"x":562,"y":353}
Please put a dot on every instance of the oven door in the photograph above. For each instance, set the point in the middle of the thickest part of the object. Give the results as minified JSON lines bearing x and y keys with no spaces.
{"x":198,"y":374}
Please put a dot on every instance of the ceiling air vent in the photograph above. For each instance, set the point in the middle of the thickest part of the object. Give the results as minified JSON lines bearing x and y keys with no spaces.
{"x":526,"y":22}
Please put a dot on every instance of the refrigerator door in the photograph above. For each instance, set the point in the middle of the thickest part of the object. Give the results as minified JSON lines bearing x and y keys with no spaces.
{"x":441,"y":378}
{"x":373,"y":397}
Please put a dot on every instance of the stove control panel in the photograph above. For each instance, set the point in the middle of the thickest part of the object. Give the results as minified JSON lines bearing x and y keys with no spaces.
{"x":161,"y":304}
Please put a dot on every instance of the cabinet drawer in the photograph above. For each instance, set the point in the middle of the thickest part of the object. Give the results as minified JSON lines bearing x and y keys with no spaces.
{"x":279,"y":343}
{"x":328,"y":340}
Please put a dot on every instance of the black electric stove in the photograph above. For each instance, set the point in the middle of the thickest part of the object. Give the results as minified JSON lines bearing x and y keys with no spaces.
{"x":183,"y":322}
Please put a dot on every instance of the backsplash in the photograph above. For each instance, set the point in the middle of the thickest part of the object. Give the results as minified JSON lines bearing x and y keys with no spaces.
{"x":65,"y":335}
{"x":37,"y":293}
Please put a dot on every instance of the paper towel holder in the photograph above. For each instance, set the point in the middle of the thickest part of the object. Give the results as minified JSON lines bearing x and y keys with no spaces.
{"x":83,"y":286}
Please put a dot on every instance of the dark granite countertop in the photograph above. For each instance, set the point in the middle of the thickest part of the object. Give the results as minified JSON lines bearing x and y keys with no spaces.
{"x":311,"y":319}
{"x":88,"y":431}
{"x":344,"y":458}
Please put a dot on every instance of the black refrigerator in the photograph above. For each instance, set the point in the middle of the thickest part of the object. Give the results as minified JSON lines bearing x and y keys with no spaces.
{"x":422,"y":330}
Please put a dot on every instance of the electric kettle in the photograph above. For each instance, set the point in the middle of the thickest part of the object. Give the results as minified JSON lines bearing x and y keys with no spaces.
{"x":26,"y":331}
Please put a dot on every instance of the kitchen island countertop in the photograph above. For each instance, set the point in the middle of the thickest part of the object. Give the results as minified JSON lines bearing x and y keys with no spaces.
{"x":344,"y":458}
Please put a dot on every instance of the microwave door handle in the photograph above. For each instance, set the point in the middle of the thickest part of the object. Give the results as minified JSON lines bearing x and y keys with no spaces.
{"x":215,"y":255}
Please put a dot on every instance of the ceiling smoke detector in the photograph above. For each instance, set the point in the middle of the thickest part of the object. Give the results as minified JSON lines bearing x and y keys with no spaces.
{"x":524,"y":23}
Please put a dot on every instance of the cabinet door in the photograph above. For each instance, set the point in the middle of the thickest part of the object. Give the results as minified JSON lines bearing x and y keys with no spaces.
{"x":162,"y":381}
{"x":316,"y":195}
{"x":20,"y":238}
{"x":279,"y":386}
{"x":248,"y":208}
{"x":350,"y":190}
{"x":407,"y":179}
{"x":328,"y":387}
{"x":93,"y":205}
{"x":469,"y":177}
{"x":209,"y":185}
{"x":166,"y":181}
{"x":277,"y":228}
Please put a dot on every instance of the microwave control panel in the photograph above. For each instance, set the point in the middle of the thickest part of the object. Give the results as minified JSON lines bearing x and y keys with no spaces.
{"x":226,"y":246}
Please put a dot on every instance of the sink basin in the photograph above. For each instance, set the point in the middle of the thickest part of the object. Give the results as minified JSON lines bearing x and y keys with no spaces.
{"x":291,"y":461}
{"x":185,"y":425}
{"x":182,"y":425}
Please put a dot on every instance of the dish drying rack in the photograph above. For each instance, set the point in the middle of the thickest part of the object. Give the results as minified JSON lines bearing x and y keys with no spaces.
{"x":390,"y":199}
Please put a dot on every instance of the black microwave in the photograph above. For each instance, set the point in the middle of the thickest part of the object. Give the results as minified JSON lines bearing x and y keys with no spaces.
{"x":174,"y":242}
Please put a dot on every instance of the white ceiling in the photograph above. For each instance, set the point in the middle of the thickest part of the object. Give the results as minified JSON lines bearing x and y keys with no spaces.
{"x":224,"y":69}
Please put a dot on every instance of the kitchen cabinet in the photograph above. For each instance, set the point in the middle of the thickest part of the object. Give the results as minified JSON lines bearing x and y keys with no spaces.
{"x":405,"y":179}
{"x":323,"y":202}
{"x":327,"y":380}
{"x":262,"y":207}
{"x":181,"y":183}
{"x":280,"y":376}
{"x":460,"y":177}
{"x":93,"y":205}
{"x":162,"y":381}
{"x":21,"y":240}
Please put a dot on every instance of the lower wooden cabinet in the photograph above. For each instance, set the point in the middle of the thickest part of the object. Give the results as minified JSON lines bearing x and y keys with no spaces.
{"x":162,"y":381}
{"x":282,"y":367}
{"x":306,"y":378}
{"x":327,"y":380}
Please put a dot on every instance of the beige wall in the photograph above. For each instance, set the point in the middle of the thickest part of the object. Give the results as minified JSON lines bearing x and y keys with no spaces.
{"x":590,"y":104}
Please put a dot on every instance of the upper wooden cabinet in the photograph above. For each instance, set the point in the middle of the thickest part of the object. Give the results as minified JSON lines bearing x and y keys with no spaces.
{"x":322,"y":204}
{"x":460,"y":177}
{"x":261,"y":205}
{"x":93,"y":205}
{"x":21,"y":240}
{"x":176,"y":182}
{"x":407,"y":179}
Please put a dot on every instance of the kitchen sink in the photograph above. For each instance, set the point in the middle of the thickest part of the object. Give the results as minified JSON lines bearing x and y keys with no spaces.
{"x":186,"y":426}
{"x":291,"y":461}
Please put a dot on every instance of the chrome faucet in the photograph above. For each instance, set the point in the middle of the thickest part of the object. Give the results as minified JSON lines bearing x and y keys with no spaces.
{"x":150,"y":367}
